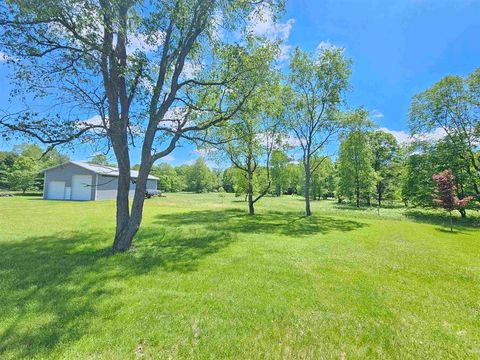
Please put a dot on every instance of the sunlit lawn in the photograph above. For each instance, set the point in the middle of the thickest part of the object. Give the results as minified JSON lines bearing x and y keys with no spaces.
{"x":206,"y":281}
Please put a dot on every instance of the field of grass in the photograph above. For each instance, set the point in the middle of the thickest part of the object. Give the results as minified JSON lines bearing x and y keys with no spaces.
{"x":204,"y":280}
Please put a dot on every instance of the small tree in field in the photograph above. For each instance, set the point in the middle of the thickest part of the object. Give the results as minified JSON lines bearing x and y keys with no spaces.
{"x":444,"y":195}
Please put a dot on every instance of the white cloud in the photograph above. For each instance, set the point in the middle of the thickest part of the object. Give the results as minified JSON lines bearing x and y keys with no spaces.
{"x":168,"y":158}
{"x":3,"y":56}
{"x":190,"y":70}
{"x":375,"y":114}
{"x":201,"y":151}
{"x":141,"y":42}
{"x":326,"y":45}
{"x":401,"y":136}
{"x":261,"y":22}
{"x":404,"y":137}
{"x":285,"y":51}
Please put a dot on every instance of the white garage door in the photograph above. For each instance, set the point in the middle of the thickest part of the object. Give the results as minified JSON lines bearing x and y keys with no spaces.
{"x":56,"y":190}
{"x":81,"y":187}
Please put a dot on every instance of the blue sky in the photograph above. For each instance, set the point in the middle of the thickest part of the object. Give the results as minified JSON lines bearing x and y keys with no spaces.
{"x":398,"y":48}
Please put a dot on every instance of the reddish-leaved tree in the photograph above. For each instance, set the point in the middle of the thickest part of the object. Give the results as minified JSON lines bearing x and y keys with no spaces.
{"x":444,"y":195}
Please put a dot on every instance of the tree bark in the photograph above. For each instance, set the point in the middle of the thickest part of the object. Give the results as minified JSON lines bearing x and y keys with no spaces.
{"x":308,"y":211}
{"x":251,"y":205}
{"x":357,"y":194}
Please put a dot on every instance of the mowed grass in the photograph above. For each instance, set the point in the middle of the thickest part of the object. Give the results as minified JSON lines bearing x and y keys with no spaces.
{"x":205,"y":281}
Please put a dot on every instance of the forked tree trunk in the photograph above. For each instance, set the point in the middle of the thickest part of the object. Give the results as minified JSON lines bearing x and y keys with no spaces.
{"x":126,"y":231}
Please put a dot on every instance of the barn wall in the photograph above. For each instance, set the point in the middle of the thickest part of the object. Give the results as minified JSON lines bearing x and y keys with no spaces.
{"x":65,"y":173}
{"x":107,"y":187}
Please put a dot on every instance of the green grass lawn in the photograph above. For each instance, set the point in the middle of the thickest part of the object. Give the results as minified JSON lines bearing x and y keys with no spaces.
{"x":206,"y":281}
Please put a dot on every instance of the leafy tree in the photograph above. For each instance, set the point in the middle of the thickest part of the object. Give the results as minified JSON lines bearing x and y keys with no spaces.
{"x":355,"y":171}
{"x":385,"y":156}
{"x":452,"y":105}
{"x":99,"y":159}
{"x":428,"y":159}
{"x":278,"y":171}
{"x":417,"y":185}
{"x":23,"y":175}
{"x":45,"y":158}
{"x":168,"y":179}
{"x":296,"y":178}
{"x":200,"y":178}
{"x":323,"y":180}
{"x":317,"y":86}
{"x":86,"y":54}
{"x":7,"y":159}
{"x":254,"y":133}
{"x":234,"y":180}
{"x":445,"y":197}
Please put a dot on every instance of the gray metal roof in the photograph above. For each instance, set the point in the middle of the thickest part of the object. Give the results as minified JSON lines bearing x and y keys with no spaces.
{"x":100,"y":169}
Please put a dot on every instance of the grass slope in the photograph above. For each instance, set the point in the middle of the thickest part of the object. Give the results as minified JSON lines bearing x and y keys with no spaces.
{"x":206,"y":281}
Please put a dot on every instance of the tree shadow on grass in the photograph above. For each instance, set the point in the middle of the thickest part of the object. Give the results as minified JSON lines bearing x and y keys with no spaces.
{"x":282,"y":223}
{"x":50,"y":286}
{"x":443,"y":220}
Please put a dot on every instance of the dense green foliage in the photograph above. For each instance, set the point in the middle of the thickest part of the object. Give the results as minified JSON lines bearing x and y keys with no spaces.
{"x":20,"y":168}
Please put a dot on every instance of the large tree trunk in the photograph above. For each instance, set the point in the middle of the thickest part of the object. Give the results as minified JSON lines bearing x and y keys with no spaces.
{"x":308,"y":212}
{"x":120,"y":147}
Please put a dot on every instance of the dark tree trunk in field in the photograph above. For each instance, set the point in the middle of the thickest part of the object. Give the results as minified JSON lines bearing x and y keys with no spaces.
{"x":251,"y":204}
{"x":308,"y":212}
{"x":357,"y":195}
{"x":278,"y":190}
{"x":379,"y":193}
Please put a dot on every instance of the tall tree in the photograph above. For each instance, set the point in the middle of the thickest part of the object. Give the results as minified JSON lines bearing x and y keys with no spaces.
{"x":452,"y":105}
{"x":254,"y":134}
{"x":152,"y":75}
{"x":278,"y":171}
{"x":200,"y":178}
{"x":318,"y":83}
{"x":355,"y":170}
{"x":23,"y":175}
{"x":385,"y":159}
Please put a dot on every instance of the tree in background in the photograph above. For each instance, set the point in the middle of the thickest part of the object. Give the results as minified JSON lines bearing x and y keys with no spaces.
{"x":417,"y":185}
{"x":234,"y":181}
{"x":249,"y":140}
{"x":87,"y":55}
{"x":427,"y":159}
{"x":168,"y":179}
{"x":23,"y":175}
{"x":7,"y":159}
{"x":452,"y":105}
{"x":200,"y":178}
{"x":385,"y":157}
{"x":279,"y":172}
{"x":323,"y":180}
{"x":356,"y":176}
{"x":317,"y":86}
{"x":43,"y":157}
{"x":99,"y":159}
{"x":34,"y":159}
{"x":444,"y":194}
